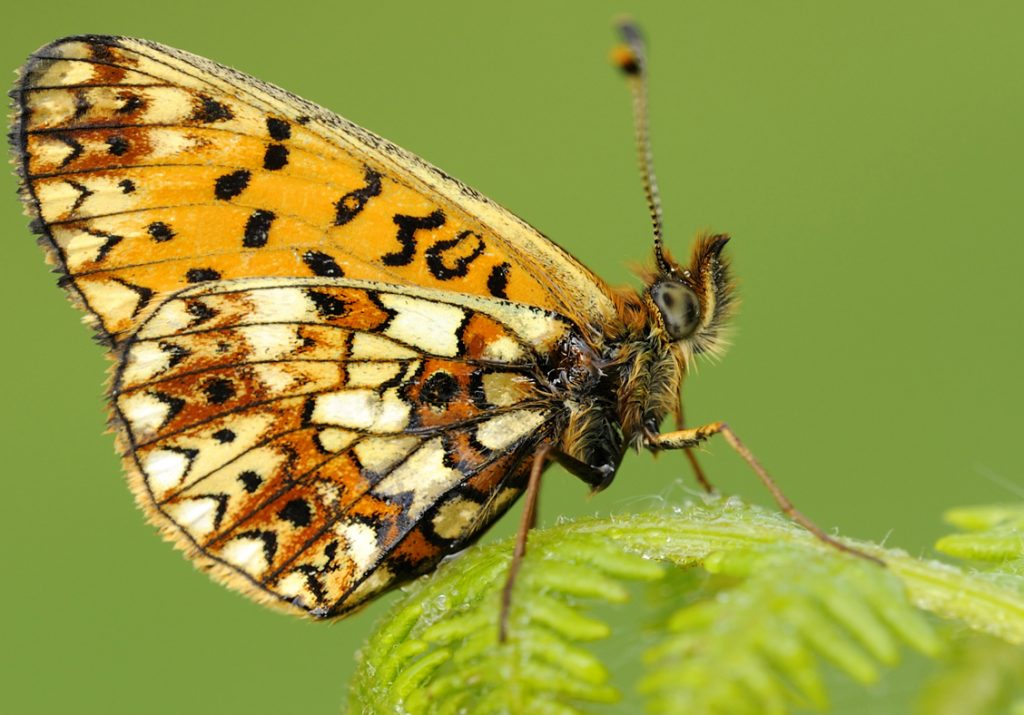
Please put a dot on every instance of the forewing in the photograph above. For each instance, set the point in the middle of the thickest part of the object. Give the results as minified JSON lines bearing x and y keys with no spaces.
{"x":149,"y":169}
{"x":313,"y":441}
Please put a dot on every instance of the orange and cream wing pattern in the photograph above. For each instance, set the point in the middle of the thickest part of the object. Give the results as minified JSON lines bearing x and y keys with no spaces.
{"x":333,"y":360}
{"x":312,"y":441}
{"x":149,"y":169}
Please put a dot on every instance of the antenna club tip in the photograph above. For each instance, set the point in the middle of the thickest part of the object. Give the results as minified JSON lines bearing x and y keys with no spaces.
{"x":623,"y":57}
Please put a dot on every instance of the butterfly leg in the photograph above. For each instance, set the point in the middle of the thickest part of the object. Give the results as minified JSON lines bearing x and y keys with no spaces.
{"x":526,"y":523}
{"x":597,"y":477}
{"x":691,"y":455}
{"x":686,"y":438}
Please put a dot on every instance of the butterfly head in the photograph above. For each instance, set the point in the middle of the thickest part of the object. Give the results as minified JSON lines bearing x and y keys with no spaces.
{"x":690,"y":305}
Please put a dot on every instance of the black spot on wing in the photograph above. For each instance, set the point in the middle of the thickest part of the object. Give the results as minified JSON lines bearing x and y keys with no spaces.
{"x":351,"y":204}
{"x":200,"y":312}
{"x":497,"y":281}
{"x":231,"y":185}
{"x":224,"y":436}
{"x":297,"y":512}
{"x":250,"y":480}
{"x":257,"y":228}
{"x":175,"y":353}
{"x":439,"y":389}
{"x":443,"y":269}
{"x":269,"y":539}
{"x":127,"y":186}
{"x":278,"y":129}
{"x":218,"y":390}
{"x":117,"y":145}
{"x":327,"y":305}
{"x":209,"y":110}
{"x":110,"y":240}
{"x":407,"y":228}
{"x":132,"y":103}
{"x":145,"y":294}
{"x":200,"y":275}
{"x":322,"y":264}
{"x":84,"y":192}
{"x":101,"y":52}
{"x":276,"y":157}
{"x":82,"y":105}
{"x":307,"y":410}
{"x":160,"y":231}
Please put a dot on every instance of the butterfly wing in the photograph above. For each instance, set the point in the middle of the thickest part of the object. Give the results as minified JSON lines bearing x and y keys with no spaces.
{"x":150,"y":169}
{"x":312,"y":441}
{"x":329,"y":352}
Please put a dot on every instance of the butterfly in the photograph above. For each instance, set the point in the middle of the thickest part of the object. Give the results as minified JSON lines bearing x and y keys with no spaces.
{"x":334,"y":363}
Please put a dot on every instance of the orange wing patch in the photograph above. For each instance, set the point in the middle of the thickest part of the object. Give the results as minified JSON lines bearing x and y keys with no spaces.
{"x":311,"y":441}
{"x":150,"y":170}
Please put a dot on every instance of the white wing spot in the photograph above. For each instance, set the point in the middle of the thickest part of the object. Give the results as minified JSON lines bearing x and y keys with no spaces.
{"x":114,"y":301}
{"x":269,"y":342}
{"x":333,"y":439}
{"x":378,"y":454}
{"x":499,"y":432}
{"x":280,"y":305}
{"x":361,"y":543}
{"x":424,"y":475}
{"x":431,"y":327}
{"x":367,"y":346}
{"x":362,"y":409}
{"x":164,"y":469}
{"x":144,"y":413}
{"x":504,"y":349}
{"x":454,"y":517}
{"x":371,"y":374}
{"x":145,"y":361}
{"x":502,"y":389}
{"x":196,"y":516}
{"x":247,"y":554}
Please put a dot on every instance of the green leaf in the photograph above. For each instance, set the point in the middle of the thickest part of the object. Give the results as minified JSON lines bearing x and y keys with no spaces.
{"x":995,"y":533}
{"x":750,"y":635}
{"x":984,"y":676}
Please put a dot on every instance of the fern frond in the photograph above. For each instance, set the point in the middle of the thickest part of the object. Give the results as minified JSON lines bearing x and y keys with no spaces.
{"x":773,"y":599}
{"x":438,"y":651}
{"x":752,"y":649}
{"x":994,"y":534}
{"x":984,"y":676}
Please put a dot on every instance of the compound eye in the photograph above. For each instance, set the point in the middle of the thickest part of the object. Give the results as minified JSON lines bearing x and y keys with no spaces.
{"x":680,"y":309}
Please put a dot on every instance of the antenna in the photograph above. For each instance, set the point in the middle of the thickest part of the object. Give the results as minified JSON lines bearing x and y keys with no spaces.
{"x":631,"y":58}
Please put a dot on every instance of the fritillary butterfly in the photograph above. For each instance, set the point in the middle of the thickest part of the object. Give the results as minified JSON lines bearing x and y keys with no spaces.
{"x":335,"y":364}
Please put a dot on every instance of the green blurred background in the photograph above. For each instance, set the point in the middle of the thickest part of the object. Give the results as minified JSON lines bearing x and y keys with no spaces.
{"x":867,"y":157}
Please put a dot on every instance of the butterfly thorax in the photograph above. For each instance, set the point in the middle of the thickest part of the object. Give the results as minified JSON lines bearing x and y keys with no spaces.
{"x":620,"y":387}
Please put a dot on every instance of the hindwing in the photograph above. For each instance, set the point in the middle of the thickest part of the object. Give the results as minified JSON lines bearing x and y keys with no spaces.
{"x":311,"y":441}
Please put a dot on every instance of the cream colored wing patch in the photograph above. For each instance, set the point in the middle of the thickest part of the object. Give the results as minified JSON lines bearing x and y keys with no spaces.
{"x":313,"y":441}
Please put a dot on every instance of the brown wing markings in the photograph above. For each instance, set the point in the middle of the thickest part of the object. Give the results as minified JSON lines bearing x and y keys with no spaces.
{"x":302,"y":163}
{"x":242,"y":363}
{"x":475,"y":333}
{"x":50,"y":87}
{"x":508,"y":463}
{"x":461,"y":359}
{"x":248,"y":523}
{"x":396,"y":529}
